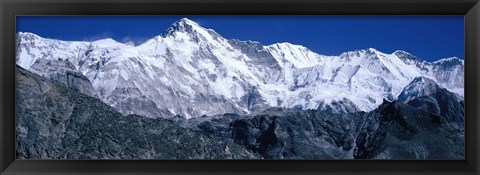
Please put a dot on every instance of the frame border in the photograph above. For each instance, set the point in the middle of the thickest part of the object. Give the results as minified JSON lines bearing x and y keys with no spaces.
{"x":10,"y":9}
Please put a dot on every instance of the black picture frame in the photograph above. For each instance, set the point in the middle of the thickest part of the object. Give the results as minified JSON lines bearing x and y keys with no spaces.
{"x":11,"y":8}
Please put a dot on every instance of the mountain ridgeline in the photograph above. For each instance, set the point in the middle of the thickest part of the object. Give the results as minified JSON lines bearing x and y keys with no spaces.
{"x":192,"y":71}
{"x":189,"y":93}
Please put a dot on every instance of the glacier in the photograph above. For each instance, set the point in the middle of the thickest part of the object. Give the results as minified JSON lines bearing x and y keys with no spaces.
{"x":191,"y":71}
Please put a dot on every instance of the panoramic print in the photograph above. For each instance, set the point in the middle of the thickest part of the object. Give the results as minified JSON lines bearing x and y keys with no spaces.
{"x":232,"y":87}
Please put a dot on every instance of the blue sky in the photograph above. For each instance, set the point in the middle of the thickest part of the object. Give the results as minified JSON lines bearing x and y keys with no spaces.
{"x":428,"y":37}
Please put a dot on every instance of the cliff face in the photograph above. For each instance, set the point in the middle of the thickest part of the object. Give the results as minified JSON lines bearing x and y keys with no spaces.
{"x":64,"y":72}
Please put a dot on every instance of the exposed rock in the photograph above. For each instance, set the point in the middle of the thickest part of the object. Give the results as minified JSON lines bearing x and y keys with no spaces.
{"x":398,"y":131}
{"x":63,"y":71}
{"x":55,"y":122}
{"x":339,"y":106}
{"x":393,"y":131}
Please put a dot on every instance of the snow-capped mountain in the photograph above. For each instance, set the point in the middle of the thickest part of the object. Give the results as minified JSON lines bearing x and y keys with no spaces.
{"x":424,"y":93}
{"x":447,"y":72}
{"x":419,"y":87}
{"x":192,"y":71}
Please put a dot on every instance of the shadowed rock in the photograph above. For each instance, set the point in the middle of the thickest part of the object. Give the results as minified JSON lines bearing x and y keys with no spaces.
{"x":55,"y":122}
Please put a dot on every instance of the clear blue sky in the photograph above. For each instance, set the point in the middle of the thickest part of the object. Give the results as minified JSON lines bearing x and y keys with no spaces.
{"x":428,"y":37}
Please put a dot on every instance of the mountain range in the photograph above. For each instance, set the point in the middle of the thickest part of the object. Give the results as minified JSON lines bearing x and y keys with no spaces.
{"x":191,"y":71}
{"x":189,"y":93}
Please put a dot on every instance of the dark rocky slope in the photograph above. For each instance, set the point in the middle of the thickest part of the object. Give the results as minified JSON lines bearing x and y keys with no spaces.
{"x":55,"y":122}
{"x":429,"y":96}
{"x":398,"y":131}
{"x":443,"y":103}
{"x":393,"y":131}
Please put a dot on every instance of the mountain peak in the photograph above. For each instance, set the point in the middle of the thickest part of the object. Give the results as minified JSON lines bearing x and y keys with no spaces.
{"x":105,"y":40}
{"x":423,"y":80}
{"x":285,"y":45}
{"x":130,"y":43}
{"x":27,"y":35}
{"x":372,"y":50}
{"x":186,"y":21}
{"x":360,"y":52}
{"x":404,"y":55}
{"x":108,"y":42}
{"x":418,"y":87}
{"x":182,"y":25}
{"x":401,"y":52}
{"x":452,"y":60}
